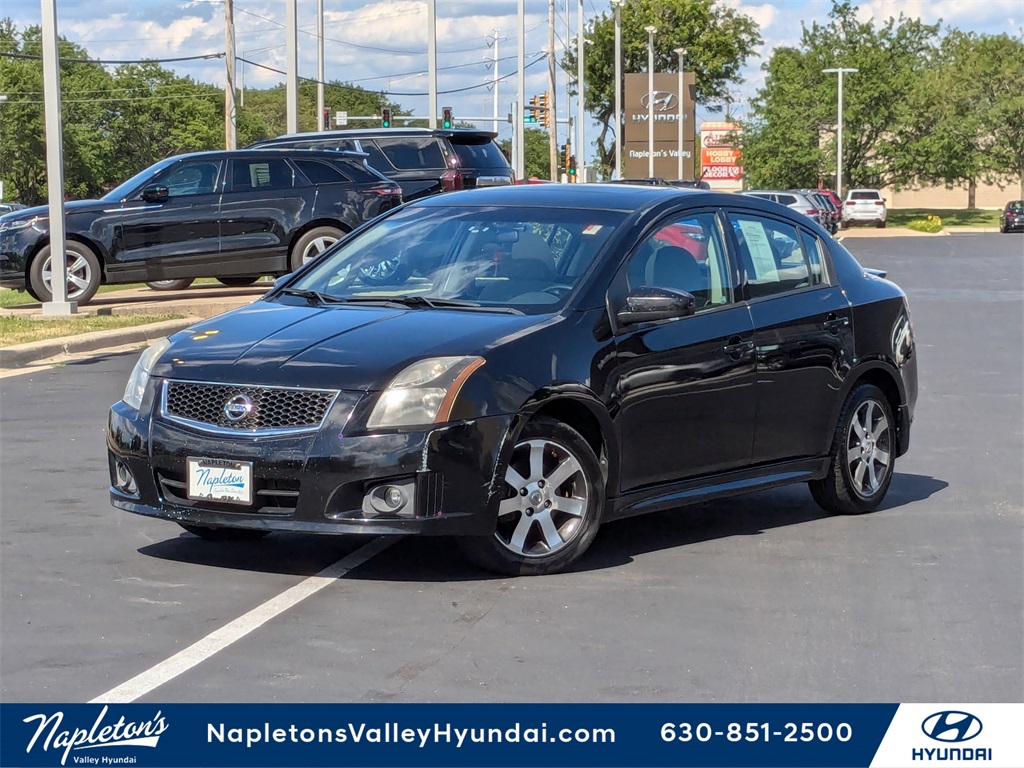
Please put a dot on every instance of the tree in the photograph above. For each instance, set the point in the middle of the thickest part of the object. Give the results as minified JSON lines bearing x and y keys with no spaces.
{"x":536,"y":153}
{"x":798,"y":101}
{"x":718,"y":38}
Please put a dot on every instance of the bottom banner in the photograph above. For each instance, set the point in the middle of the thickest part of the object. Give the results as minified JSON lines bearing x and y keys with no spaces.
{"x":613,"y":735}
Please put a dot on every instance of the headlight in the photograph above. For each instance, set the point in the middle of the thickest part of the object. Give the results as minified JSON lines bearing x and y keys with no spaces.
{"x":8,"y":226}
{"x":423,"y":393}
{"x":136,"y":387}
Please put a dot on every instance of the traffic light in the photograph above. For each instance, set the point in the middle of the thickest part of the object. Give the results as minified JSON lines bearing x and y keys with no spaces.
{"x":566,"y":157}
{"x":530,"y":114}
{"x":543,"y":104}
{"x":446,"y":117}
{"x":571,"y":168}
{"x":385,"y":117}
{"x":327,"y":118}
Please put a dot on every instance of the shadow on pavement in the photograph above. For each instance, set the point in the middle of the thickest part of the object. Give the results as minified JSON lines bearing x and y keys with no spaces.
{"x":434,"y":559}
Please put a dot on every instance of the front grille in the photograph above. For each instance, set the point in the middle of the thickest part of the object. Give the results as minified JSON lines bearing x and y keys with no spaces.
{"x":258,"y":410}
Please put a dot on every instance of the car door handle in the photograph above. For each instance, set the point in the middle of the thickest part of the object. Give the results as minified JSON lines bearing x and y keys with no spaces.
{"x":833,"y":323}
{"x":736,"y":348}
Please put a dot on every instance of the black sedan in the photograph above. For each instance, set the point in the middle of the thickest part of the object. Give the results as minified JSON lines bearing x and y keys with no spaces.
{"x":544,"y":359}
{"x":1011,"y":219}
{"x":230,"y":215}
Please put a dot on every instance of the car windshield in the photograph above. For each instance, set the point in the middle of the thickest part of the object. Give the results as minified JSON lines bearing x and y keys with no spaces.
{"x":481,"y":258}
{"x":122,"y":191}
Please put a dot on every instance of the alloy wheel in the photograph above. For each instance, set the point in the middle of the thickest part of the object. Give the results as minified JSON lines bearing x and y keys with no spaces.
{"x":80,"y":276}
{"x":317,"y":246}
{"x":869,"y":449}
{"x":548,"y":498}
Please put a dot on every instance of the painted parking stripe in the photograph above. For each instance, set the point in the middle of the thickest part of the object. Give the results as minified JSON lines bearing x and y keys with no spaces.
{"x":220,"y":639}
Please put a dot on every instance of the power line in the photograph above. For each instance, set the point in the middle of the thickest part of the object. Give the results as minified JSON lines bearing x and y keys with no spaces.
{"x":116,"y":61}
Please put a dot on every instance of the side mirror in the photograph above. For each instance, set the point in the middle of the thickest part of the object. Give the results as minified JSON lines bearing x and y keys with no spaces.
{"x":156,"y":193}
{"x":647,"y":304}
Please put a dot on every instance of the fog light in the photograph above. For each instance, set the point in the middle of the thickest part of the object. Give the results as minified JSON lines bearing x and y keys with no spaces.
{"x":124,"y":479}
{"x":391,"y":500}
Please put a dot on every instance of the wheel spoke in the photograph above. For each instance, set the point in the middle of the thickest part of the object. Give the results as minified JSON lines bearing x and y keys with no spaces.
{"x":563,"y":472}
{"x":81,"y":282}
{"x":872,"y":476}
{"x":853,"y":454}
{"x":858,"y":428}
{"x":78,"y":264}
{"x":882,"y":457}
{"x":522,"y":530}
{"x":858,"y":474}
{"x":508,"y":507}
{"x":551,"y":536}
{"x":869,"y":415}
{"x":536,"y":460}
{"x":570,"y":506}
{"x":513,"y":478}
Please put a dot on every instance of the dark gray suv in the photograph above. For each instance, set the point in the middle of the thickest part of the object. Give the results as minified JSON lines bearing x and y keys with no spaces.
{"x":423,"y":161}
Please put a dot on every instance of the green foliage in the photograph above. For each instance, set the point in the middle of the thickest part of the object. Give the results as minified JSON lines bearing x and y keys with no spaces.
{"x":718,"y":38}
{"x":536,"y":153}
{"x":932,"y":224}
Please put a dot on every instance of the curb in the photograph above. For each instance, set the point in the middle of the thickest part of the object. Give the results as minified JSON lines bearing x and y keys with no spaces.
{"x":20,"y":355}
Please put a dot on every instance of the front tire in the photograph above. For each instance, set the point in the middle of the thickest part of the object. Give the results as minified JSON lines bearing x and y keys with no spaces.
{"x":170,"y":285}
{"x":550,"y":506}
{"x":83,"y":273}
{"x":209,"y":533}
{"x":312,"y":244}
{"x":863,"y":455}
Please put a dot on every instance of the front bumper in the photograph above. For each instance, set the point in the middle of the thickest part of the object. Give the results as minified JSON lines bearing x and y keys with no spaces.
{"x":318,"y":482}
{"x":15,"y":248}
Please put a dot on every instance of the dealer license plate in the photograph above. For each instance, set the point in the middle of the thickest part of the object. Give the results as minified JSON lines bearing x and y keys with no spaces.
{"x":220,"y":480}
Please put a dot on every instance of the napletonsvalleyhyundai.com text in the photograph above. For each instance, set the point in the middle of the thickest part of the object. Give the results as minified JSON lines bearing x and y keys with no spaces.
{"x":394,"y":733}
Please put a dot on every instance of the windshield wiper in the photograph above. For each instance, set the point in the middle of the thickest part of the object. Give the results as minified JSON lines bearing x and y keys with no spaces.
{"x":313,"y":297}
{"x":417,"y":301}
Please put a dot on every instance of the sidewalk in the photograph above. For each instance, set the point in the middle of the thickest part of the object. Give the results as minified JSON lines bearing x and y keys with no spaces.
{"x":195,"y":303}
{"x":871,"y":231}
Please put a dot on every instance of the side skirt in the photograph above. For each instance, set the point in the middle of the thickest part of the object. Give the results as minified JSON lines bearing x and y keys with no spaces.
{"x":711,"y":487}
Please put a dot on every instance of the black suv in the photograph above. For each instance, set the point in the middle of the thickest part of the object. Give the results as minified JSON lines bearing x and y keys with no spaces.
{"x":423,"y":161}
{"x":231,"y":215}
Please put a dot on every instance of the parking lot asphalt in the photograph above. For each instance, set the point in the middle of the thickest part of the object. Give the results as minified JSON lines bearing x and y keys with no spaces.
{"x":757,"y":598}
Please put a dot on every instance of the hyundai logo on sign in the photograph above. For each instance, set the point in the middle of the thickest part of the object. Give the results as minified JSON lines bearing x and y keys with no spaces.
{"x":659,"y":101}
{"x":951,"y":726}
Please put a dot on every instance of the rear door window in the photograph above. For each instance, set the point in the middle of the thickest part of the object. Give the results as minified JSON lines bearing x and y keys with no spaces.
{"x":412,"y":153}
{"x":261,"y":173}
{"x":772,"y":255}
{"x":486,"y":155}
{"x":320,"y":173}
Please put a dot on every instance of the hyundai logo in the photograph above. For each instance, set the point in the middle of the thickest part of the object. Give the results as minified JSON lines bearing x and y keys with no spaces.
{"x":238,"y":407}
{"x":659,"y":101}
{"x":951,"y":726}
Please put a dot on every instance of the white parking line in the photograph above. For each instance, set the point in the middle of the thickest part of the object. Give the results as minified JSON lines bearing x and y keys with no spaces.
{"x":220,"y":639}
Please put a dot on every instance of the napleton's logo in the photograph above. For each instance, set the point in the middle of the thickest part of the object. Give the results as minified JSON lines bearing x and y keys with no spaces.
{"x":119,"y":734}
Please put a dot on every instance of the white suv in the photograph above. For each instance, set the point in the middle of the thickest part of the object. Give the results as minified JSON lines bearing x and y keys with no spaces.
{"x":864,"y":205}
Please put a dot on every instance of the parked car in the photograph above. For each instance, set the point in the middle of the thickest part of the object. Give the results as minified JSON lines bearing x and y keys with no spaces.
{"x":558,"y":366}
{"x":831,"y":217}
{"x":424,"y":162}
{"x":864,"y":205}
{"x":794,"y":200}
{"x":691,"y":184}
{"x":1011,"y":219}
{"x":836,"y":200}
{"x":230,"y":215}
{"x":8,"y":207}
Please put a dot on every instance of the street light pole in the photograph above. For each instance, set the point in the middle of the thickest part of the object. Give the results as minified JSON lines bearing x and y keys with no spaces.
{"x":292,"y":84}
{"x":650,"y":29}
{"x":432,"y":62}
{"x":320,"y":121}
{"x":617,"y":5}
{"x":682,"y":113}
{"x":839,"y":128}
{"x":581,"y":149}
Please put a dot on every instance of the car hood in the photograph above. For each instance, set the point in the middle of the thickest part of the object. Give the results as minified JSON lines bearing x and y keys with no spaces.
{"x":72,"y":206}
{"x":336,"y":347}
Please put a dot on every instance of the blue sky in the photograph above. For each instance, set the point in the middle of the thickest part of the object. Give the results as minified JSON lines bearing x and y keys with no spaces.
{"x":382,"y":45}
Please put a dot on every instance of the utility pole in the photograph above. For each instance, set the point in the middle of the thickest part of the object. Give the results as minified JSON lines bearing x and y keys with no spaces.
{"x":230,"y":114}
{"x":617,"y":5}
{"x":581,"y":146}
{"x":520,"y":164}
{"x":292,"y":67}
{"x":494,"y":80}
{"x":552,"y":113}
{"x":839,"y":127}
{"x":320,"y":66}
{"x":432,"y":62}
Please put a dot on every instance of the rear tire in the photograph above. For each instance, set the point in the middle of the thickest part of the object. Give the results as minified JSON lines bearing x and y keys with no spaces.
{"x":238,"y":282}
{"x":83,"y":269}
{"x":550,"y":506}
{"x":312,"y":244}
{"x":862,"y":456}
{"x":880,"y":224}
{"x":209,"y":533}
{"x":170,"y":285}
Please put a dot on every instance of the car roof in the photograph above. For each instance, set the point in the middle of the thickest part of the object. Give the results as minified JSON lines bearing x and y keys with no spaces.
{"x":627,"y":198}
{"x":383,"y":132}
{"x":325,"y":154}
